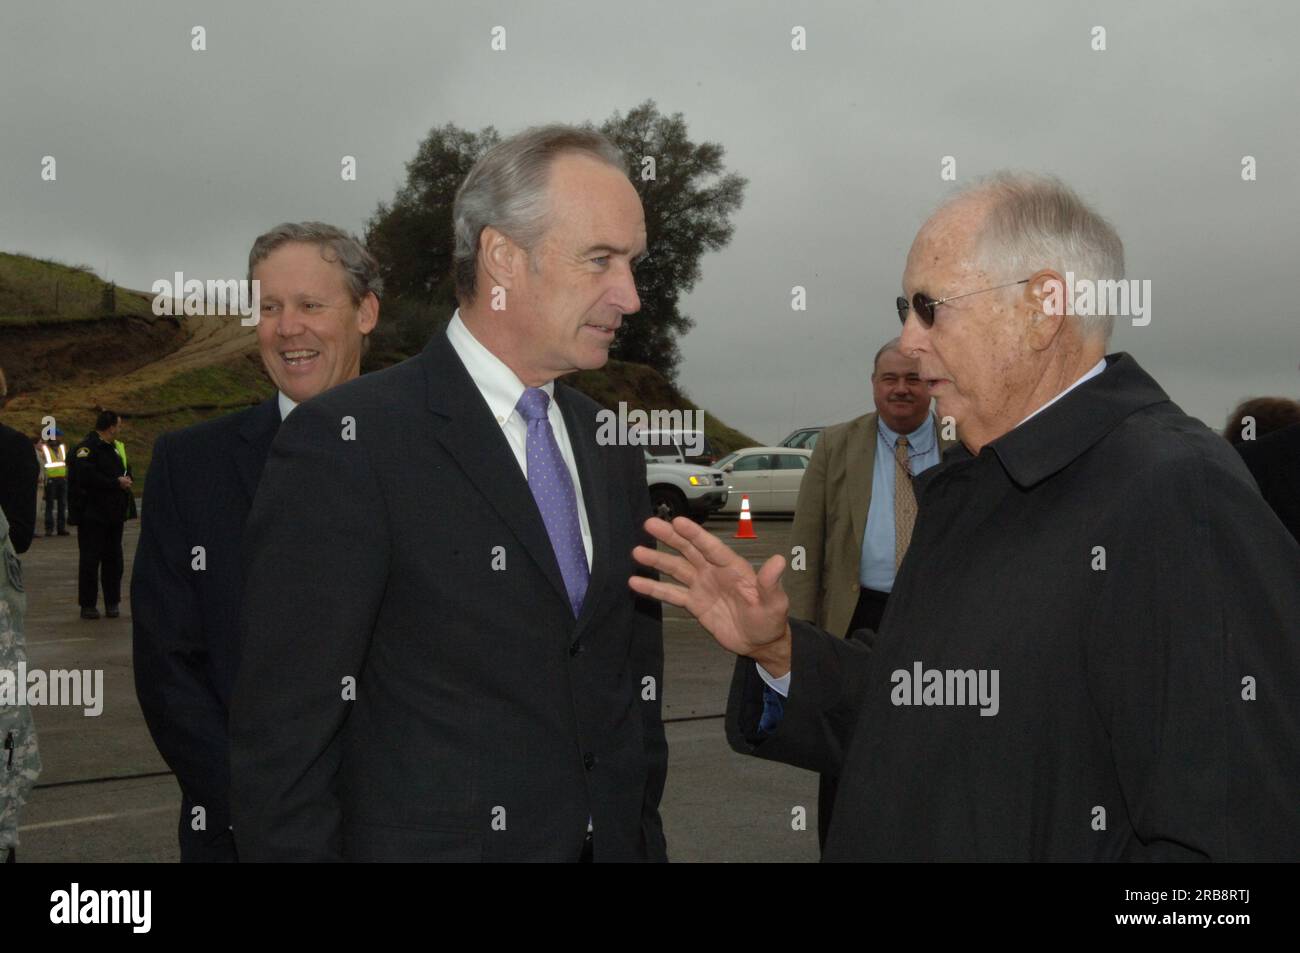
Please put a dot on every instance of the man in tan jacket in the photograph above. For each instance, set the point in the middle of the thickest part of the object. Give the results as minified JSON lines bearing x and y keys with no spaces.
{"x":856,"y":510}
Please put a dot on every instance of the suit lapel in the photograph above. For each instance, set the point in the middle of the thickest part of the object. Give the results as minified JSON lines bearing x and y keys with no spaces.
{"x":596,"y":487}
{"x":256,"y":433}
{"x":861,"y":445}
{"x":464,"y":425}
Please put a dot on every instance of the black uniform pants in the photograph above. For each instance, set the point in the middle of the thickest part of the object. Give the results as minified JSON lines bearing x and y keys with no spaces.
{"x":867,"y":615}
{"x":100,"y":549}
{"x":56,"y":496}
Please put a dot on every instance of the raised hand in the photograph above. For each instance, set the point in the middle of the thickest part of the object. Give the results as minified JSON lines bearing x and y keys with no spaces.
{"x":745,"y":611}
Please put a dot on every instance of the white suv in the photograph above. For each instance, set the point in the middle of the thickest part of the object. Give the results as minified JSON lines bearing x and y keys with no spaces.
{"x":683,"y":489}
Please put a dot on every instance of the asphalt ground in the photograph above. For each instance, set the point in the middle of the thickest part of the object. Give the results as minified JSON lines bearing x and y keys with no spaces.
{"x":106,"y":795}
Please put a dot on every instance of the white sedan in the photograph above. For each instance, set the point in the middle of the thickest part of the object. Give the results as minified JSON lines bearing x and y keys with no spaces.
{"x":769,"y":476}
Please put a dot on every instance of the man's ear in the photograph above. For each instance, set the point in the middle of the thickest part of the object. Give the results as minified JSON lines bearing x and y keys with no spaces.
{"x":368,"y":313}
{"x":1045,"y":294}
{"x":502,"y":259}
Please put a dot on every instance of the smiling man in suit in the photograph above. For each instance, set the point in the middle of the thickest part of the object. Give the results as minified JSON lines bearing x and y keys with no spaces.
{"x":319,"y":299}
{"x":462,"y":673}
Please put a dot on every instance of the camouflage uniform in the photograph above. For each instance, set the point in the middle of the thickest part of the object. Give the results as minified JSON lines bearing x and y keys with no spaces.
{"x":20,"y":762}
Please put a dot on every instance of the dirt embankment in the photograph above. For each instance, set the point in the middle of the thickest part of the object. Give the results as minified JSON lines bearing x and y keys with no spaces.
{"x":40,"y":358}
{"x":87,"y":364}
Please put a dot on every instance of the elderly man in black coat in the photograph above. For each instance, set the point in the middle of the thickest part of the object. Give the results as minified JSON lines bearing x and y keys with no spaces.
{"x":1093,"y":645}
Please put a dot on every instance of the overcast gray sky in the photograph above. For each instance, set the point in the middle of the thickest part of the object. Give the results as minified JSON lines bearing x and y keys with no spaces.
{"x":170,"y":159}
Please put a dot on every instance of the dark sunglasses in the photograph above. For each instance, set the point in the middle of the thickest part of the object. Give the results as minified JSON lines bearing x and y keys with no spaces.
{"x":924,"y":305}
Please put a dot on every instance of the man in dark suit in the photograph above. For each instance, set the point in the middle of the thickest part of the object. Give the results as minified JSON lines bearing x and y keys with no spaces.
{"x":460,"y":672}
{"x":1092,"y":646}
{"x":319,"y":299}
{"x":1274,"y":462}
{"x":19,"y":471}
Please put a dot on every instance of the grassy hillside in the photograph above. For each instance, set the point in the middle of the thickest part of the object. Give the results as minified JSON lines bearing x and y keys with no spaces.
{"x":37,"y":290}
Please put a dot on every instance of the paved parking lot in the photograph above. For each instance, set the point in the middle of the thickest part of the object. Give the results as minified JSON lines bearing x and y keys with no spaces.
{"x":106,"y":795}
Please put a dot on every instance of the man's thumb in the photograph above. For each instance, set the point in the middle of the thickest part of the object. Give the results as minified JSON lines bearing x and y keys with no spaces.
{"x":769,"y":576}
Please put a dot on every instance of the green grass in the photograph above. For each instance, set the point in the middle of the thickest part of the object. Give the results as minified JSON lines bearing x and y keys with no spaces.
{"x":41,"y":290}
{"x":219,"y":384}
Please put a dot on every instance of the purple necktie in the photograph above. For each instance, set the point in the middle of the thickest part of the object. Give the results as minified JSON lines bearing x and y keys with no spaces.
{"x":548,"y":478}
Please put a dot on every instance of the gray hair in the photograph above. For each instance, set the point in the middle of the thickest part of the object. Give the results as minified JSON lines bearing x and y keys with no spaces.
{"x":1037,"y":221}
{"x":359,"y":266}
{"x":506,"y":189}
{"x":894,"y":345}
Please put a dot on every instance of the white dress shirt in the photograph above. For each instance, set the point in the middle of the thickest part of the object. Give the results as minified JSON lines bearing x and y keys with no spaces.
{"x":782,"y":685}
{"x":501,"y":390}
{"x":286,"y":404}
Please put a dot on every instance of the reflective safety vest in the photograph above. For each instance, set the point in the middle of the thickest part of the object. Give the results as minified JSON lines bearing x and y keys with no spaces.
{"x":56,"y":467}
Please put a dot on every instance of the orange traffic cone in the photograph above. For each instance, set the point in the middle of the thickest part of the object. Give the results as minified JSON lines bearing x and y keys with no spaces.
{"x":746,"y":528}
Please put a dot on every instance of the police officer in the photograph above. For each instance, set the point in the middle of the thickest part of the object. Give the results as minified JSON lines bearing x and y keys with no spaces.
{"x":54,"y":461}
{"x":100,"y":498}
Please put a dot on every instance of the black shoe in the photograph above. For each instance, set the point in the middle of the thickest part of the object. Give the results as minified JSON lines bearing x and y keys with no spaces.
{"x":64,"y":532}
{"x":91,"y":613}
{"x":111,"y":612}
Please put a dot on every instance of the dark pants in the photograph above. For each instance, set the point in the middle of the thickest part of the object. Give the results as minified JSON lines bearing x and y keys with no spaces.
{"x":56,"y":497}
{"x":870,"y":610}
{"x":100,"y":549}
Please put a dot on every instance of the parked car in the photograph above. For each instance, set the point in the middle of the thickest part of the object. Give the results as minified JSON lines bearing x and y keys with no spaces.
{"x":684,"y":489}
{"x":769,"y":476}
{"x":804,"y":438}
{"x":667,"y":444}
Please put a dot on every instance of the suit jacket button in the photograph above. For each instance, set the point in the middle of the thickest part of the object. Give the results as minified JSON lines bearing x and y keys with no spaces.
{"x":576,"y":648}
{"x":589,"y":760}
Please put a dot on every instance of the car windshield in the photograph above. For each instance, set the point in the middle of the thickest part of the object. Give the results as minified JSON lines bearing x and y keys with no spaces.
{"x":729,"y":458}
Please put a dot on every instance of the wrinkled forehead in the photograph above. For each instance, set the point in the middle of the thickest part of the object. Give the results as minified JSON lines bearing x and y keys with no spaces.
{"x":943,"y":252}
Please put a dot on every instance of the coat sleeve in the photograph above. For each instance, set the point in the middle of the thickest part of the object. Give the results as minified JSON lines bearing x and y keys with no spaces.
{"x":805,"y":587}
{"x":185,"y":715}
{"x":648,"y":660}
{"x":827,"y":684}
{"x":1193,"y":660}
{"x":317,"y":552}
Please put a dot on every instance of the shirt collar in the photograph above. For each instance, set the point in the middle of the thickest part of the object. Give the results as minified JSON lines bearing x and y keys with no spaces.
{"x":1049,"y":442}
{"x":500,"y":387}
{"x":919,"y":440}
{"x":286,"y":404}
